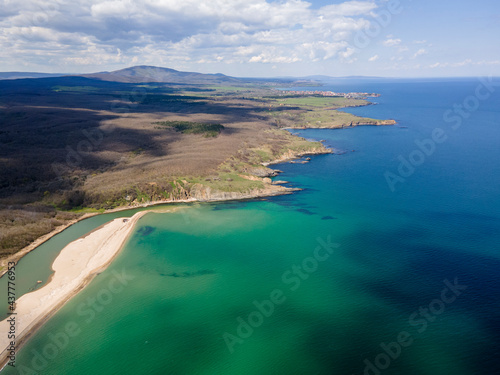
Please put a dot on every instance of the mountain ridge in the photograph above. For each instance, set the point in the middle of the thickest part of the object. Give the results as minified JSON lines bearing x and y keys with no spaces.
{"x":147,"y":73}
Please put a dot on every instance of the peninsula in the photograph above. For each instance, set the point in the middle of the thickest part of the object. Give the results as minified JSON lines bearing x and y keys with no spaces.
{"x":80,"y":145}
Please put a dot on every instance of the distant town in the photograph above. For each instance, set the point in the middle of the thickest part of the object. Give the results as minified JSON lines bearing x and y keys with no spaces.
{"x":355,"y":95}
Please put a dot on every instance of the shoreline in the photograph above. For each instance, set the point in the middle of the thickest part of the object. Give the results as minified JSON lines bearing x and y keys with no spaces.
{"x":52,"y":289}
{"x":56,"y":293}
{"x":74,"y":268}
{"x":39,"y":241}
{"x":231,"y":196}
{"x":69,"y":279}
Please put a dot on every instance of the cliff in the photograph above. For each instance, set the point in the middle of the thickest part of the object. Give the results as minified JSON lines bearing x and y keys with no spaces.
{"x":206,"y":194}
{"x":293,"y":154}
{"x":262,"y":185}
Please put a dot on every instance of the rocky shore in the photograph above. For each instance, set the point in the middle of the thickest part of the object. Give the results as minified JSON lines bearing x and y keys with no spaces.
{"x":346,"y":125}
{"x":195,"y":193}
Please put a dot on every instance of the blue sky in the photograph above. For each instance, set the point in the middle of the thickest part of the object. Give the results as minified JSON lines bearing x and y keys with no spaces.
{"x":392,"y":38}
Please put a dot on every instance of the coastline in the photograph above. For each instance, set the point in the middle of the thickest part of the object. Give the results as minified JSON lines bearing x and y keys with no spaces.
{"x":345,"y":125}
{"x":101,"y":246}
{"x":269,"y":191}
{"x":74,"y":268}
{"x":39,"y":241}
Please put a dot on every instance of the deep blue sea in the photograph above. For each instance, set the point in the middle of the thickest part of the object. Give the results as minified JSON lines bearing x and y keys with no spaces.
{"x":387,"y":262}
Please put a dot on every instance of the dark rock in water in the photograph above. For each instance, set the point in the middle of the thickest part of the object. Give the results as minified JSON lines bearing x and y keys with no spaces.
{"x":228,"y":206}
{"x":191,"y":274}
{"x":328,"y":218}
{"x":145,"y":231}
{"x":305,"y":211}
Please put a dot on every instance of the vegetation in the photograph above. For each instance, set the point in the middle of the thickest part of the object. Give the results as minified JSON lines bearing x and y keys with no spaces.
{"x":75,"y":88}
{"x":21,"y":225}
{"x":228,"y":88}
{"x":187,"y":127}
{"x":150,"y":98}
{"x":332,"y":102}
{"x":333,"y":119}
{"x":66,"y":155}
{"x":317,"y":112}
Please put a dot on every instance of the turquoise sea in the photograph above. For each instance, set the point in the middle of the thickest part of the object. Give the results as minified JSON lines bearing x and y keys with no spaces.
{"x":368,"y":270}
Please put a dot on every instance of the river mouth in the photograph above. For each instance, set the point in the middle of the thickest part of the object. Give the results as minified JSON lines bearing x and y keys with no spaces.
{"x":342,"y":276}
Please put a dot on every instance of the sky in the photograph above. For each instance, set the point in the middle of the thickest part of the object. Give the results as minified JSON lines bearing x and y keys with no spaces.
{"x":254,"y":38}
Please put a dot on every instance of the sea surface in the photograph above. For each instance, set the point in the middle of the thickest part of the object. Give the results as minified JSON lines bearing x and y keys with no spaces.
{"x":367,"y":270}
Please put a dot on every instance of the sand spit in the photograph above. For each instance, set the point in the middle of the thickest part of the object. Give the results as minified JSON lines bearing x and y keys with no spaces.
{"x":74,"y":268}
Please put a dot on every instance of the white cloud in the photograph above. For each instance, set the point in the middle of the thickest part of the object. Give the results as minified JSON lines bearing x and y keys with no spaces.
{"x":158,"y":32}
{"x":351,"y":8}
{"x":373,"y":58}
{"x":391,"y":42}
{"x":420,"y":52}
{"x":466,"y":62}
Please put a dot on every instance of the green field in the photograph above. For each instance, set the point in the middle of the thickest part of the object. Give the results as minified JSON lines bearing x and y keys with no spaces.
{"x":228,"y":88}
{"x":81,"y":89}
{"x":322,"y":101}
{"x":330,"y":118}
{"x":187,"y":127}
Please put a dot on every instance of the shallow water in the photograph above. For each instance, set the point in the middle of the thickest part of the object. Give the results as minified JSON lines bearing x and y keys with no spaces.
{"x":359,"y":275}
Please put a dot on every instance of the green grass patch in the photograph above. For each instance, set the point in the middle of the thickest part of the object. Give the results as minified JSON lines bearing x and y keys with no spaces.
{"x":322,"y":101}
{"x":84,"y":210}
{"x":141,"y":196}
{"x":75,"y":88}
{"x":232,"y":182}
{"x":302,"y":145}
{"x":264,"y":155}
{"x":165,"y":98}
{"x":186,"y":127}
{"x":227,"y":88}
{"x":329,"y":119}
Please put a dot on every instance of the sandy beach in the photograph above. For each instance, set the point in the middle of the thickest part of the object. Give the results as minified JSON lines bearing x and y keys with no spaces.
{"x":32,"y":246}
{"x":74,"y":268}
{"x":268,"y":191}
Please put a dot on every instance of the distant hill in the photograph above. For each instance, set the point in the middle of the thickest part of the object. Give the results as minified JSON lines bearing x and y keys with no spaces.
{"x":17,"y":75}
{"x":146,"y":74}
{"x":143,"y":73}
